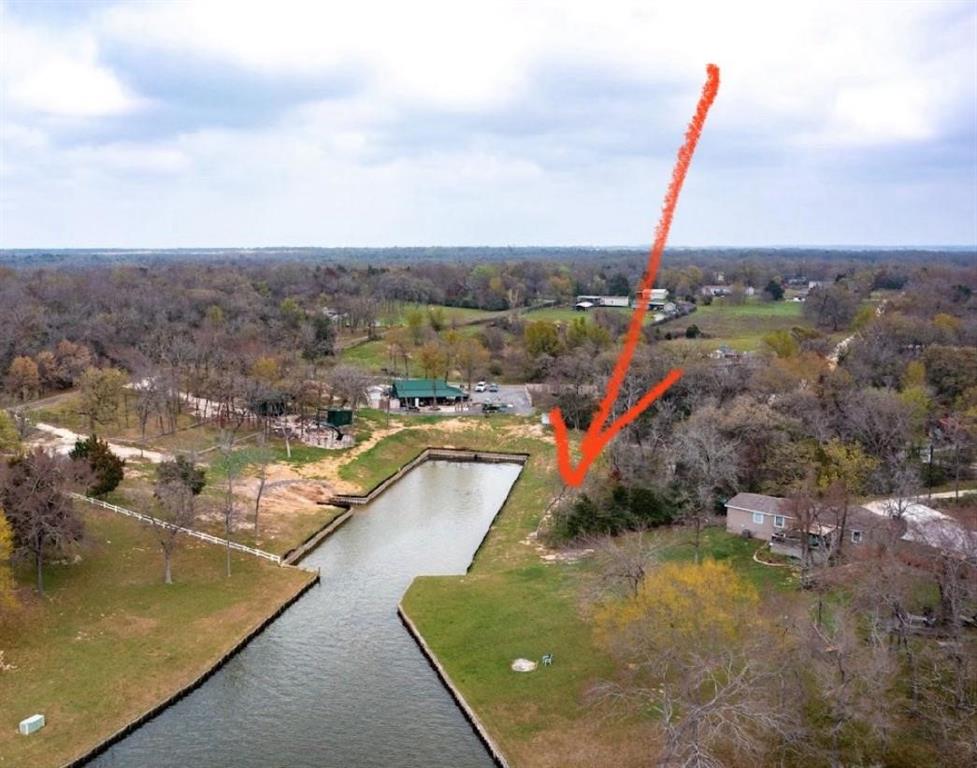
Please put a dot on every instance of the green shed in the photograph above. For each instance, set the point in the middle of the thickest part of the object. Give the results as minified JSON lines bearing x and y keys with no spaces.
{"x":425,"y":392}
{"x":339,"y":417}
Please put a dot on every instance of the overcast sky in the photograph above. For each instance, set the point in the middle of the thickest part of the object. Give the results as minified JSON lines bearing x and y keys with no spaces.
{"x":166,"y":124}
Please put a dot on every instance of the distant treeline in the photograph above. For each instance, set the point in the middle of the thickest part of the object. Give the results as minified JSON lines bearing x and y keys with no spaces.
{"x":86,"y":257}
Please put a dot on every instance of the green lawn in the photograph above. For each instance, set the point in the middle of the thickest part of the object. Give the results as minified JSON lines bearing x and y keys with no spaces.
{"x":741,"y":327}
{"x":110,"y":640}
{"x":375,"y":355}
{"x":372,"y":355}
{"x":456,"y":315}
{"x":569,"y":314}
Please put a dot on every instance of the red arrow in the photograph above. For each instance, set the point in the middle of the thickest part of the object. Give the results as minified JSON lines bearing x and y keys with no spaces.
{"x":597,"y":436}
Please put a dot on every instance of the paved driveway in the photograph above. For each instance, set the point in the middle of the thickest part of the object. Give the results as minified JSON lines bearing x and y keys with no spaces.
{"x":513,"y":395}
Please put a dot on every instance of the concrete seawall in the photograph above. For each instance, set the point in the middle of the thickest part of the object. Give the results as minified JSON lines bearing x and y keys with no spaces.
{"x":480,"y":730}
{"x":293,"y":556}
{"x":493,"y":749}
{"x":190,"y":687}
{"x":429,"y":454}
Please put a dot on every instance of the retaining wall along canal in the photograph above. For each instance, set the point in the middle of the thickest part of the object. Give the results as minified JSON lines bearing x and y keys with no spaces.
{"x":469,"y":713}
{"x":430,"y":454}
{"x":150,"y":713}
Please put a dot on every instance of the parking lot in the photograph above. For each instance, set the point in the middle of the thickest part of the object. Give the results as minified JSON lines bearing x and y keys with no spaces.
{"x":513,"y":396}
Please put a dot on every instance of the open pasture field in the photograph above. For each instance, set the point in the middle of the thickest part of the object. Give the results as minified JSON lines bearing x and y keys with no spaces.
{"x":741,"y":327}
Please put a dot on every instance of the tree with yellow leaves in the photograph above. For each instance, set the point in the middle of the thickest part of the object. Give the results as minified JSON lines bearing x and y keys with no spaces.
{"x":843,"y":471}
{"x":101,"y":392}
{"x":8,"y":599}
{"x":703,"y":657}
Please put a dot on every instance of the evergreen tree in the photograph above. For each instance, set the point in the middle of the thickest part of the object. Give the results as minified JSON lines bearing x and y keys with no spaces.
{"x":108,"y":470}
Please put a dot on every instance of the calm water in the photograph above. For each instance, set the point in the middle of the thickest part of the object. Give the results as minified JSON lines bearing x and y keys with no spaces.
{"x":336,"y":682}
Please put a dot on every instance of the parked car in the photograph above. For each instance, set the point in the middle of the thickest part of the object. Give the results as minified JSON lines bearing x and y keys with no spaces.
{"x":491,"y":407}
{"x":480,"y":386}
{"x":493,"y":387}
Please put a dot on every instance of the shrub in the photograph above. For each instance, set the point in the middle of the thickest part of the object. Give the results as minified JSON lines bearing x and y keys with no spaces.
{"x":623,"y":509}
{"x":183,"y":471}
{"x":108,"y":470}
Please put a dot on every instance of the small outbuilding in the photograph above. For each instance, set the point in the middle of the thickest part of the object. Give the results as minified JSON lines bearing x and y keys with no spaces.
{"x":422,"y":392}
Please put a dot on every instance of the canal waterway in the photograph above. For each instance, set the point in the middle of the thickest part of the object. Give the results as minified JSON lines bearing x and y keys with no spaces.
{"x":336,"y":681}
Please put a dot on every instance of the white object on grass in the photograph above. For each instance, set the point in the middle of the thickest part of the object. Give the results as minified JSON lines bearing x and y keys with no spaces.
{"x":523,"y":665}
{"x":31,"y":724}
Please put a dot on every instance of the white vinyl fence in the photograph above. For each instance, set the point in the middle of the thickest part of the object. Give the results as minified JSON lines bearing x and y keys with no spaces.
{"x":188,"y":531}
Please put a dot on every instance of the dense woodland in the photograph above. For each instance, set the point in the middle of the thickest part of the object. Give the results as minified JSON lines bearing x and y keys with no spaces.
{"x":870,"y":392}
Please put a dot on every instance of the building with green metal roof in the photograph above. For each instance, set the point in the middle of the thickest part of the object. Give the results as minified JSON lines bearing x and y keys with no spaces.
{"x":425,"y":392}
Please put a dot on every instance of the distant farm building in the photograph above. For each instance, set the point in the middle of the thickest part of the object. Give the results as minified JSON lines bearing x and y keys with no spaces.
{"x":589,"y":302}
{"x":653,"y":298}
{"x":425,"y":392}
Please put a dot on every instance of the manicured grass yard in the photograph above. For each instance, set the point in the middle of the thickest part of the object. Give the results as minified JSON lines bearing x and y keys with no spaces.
{"x":110,"y":640}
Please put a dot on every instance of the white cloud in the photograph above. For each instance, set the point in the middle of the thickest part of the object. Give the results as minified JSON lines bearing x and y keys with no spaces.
{"x":445,"y":53}
{"x":128,"y":157}
{"x":57,"y":73}
{"x":390,"y":162}
{"x":849,"y":72}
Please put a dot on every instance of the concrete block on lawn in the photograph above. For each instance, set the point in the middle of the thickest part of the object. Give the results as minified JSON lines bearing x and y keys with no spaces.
{"x":31,"y":724}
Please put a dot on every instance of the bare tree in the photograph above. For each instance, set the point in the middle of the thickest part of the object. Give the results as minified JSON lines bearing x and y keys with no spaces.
{"x":348,"y":384}
{"x":176,"y":508}
{"x":905,"y":484}
{"x":831,"y":307}
{"x":945,"y":699}
{"x":150,"y":400}
{"x":23,"y":421}
{"x":705,"y":466}
{"x":956,"y":434}
{"x":854,"y":676}
{"x":34,"y":493}
{"x":624,"y":561}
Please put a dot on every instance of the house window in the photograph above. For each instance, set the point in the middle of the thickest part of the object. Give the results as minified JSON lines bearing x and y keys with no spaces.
{"x":856,"y":537}
{"x":758,"y":518}
{"x":779,"y":521}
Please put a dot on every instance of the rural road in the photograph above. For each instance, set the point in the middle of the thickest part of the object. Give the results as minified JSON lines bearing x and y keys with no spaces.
{"x":63,"y":440}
